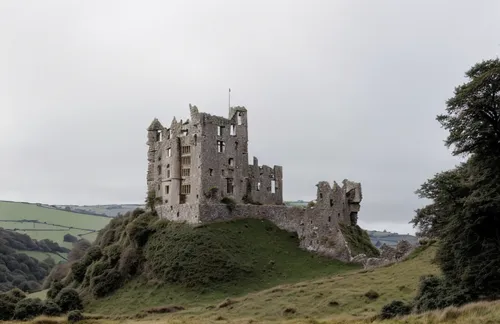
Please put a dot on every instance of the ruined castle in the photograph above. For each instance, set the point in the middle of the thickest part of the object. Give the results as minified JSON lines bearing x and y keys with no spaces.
{"x":199,"y":171}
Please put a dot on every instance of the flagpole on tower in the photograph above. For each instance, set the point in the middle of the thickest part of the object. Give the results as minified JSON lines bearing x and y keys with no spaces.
{"x":229,"y":98}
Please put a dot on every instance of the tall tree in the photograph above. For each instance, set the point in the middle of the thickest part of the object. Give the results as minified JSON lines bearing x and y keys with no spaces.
{"x":465,"y":212}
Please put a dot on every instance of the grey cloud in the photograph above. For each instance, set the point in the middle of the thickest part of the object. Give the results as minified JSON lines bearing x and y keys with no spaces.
{"x":335,"y":89}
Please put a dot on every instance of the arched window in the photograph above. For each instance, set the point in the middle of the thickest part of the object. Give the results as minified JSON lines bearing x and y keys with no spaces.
{"x":231,"y":162}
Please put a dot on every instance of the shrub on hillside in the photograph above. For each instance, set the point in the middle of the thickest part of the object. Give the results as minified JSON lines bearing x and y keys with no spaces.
{"x":50,"y":308}
{"x":28,"y":308}
{"x":372,"y":294}
{"x":139,"y":230}
{"x":436,"y":293}
{"x":130,"y":261}
{"x":75,"y":316}
{"x":55,"y":287}
{"x":107,"y":282}
{"x":395,"y":308}
{"x":68,"y":299}
{"x":6,"y":309}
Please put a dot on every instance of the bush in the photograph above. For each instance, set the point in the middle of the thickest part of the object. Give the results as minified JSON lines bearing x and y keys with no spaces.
{"x":75,"y":316}
{"x":129,"y":261}
{"x":68,"y":299}
{"x":395,"y":308}
{"x":51,"y":309}
{"x":107,"y":282}
{"x":28,"y":308}
{"x":70,"y":238}
{"x":436,"y":293}
{"x":372,"y":294}
{"x":6,"y":309}
{"x":55,"y":287}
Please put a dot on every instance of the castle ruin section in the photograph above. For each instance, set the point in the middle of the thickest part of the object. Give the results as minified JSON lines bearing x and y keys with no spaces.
{"x":196,"y":166}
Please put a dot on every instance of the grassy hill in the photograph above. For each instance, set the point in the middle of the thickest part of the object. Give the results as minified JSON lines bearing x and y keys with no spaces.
{"x":139,"y":261}
{"x":48,"y":223}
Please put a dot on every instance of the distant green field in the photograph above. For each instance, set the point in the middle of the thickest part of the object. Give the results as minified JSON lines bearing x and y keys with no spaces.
{"x":58,"y":222}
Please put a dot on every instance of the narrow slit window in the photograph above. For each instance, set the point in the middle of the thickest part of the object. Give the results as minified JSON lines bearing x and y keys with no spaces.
{"x":169,"y":152}
{"x":229,"y":186}
{"x":231,"y":162}
{"x":240,"y":118}
{"x":167,"y":190}
{"x":331,"y":202}
{"x":159,"y":169}
{"x":258,"y":186}
{"x":211,"y":172}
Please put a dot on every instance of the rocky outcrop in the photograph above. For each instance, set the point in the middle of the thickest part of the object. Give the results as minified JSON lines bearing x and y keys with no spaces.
{"x":388,"y":255}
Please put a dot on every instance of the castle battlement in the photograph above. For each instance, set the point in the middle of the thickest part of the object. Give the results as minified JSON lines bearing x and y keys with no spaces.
{"x":194,"y":165}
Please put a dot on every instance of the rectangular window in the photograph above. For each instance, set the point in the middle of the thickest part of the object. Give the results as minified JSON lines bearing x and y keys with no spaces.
{"x":159,"y":169}
{"x":159,"y":136}
{"x":221,"y":146}
{"x":168,"y":173}
{"x":232,"y":130}
{"x":185,"y":189}
{"x":240,"y":119}
{"x":184,"y":132}
{"x":220,"y":130}
{"x":186,"y":160}
{"x":258,"y":186}
{"x":186,"y":149}
{"x":167,"y":190}
{"x":186,"y":172}
{"x":169,"y":152}
{"x":229,"y":186}
{"x":273,"y":186}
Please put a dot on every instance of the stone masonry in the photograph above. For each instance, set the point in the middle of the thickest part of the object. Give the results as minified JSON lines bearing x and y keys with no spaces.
{"x":197,"y":166}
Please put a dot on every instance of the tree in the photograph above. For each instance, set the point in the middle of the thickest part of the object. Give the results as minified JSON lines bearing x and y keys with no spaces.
{"x":152,"y":201}
{"x":465,"y":212}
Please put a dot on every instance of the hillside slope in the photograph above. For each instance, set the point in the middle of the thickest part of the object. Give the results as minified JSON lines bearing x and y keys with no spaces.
{"x":140,"y":261}
{"x":46,"y":223}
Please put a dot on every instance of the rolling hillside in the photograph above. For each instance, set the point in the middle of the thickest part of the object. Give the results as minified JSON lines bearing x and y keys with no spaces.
{"x":48,"y":223}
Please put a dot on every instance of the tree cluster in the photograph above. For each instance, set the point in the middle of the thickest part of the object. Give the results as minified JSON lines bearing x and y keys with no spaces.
{"x":464,"y":214}
{"x":18,"y":241}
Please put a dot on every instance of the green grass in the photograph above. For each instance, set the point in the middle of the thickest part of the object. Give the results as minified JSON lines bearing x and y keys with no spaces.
{"x":331,"y":298}
{"x":20,"y":211}
{"x":358,"y":240}
{"x":42,"y":294}
{"x":268,"y":255}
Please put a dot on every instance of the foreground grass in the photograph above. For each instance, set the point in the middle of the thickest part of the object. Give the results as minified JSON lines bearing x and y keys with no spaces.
{"x":18,"y":211}
{"x":272,"y":257}
{"x":329,"y":299}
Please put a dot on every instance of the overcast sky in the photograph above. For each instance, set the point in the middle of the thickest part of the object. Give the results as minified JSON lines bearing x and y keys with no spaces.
{"x":334,"y":89}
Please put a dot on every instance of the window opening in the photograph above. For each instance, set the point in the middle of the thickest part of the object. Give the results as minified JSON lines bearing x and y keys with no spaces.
{"x":221,"y":146}
{"x":236,"y":146}
{"x":232,"y":130}
{"x":258,"y":186}
{"x":186,"y":172}
{"x":158,"y":136}
{"x":169,"y":152}
{"x":195,"y":139}
{"x":329,"y":219}
{"x":229,"y":186}
{"x":240,"y":119}
{"x":159,"y":169}
{"x":186,"y":160}
{"x":231,"y":162}
{"x":273,"y":186}
{"x":211,"y":172}
{"x":220,"y":130}
{"x":331,"y":202}
{"x":184,"y":132}
{"x":186,"y":189}
{"x":169,"y":133}
{"x":167,"y":190}
{"x":223,"y":172}
{"x":186,"y":149}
